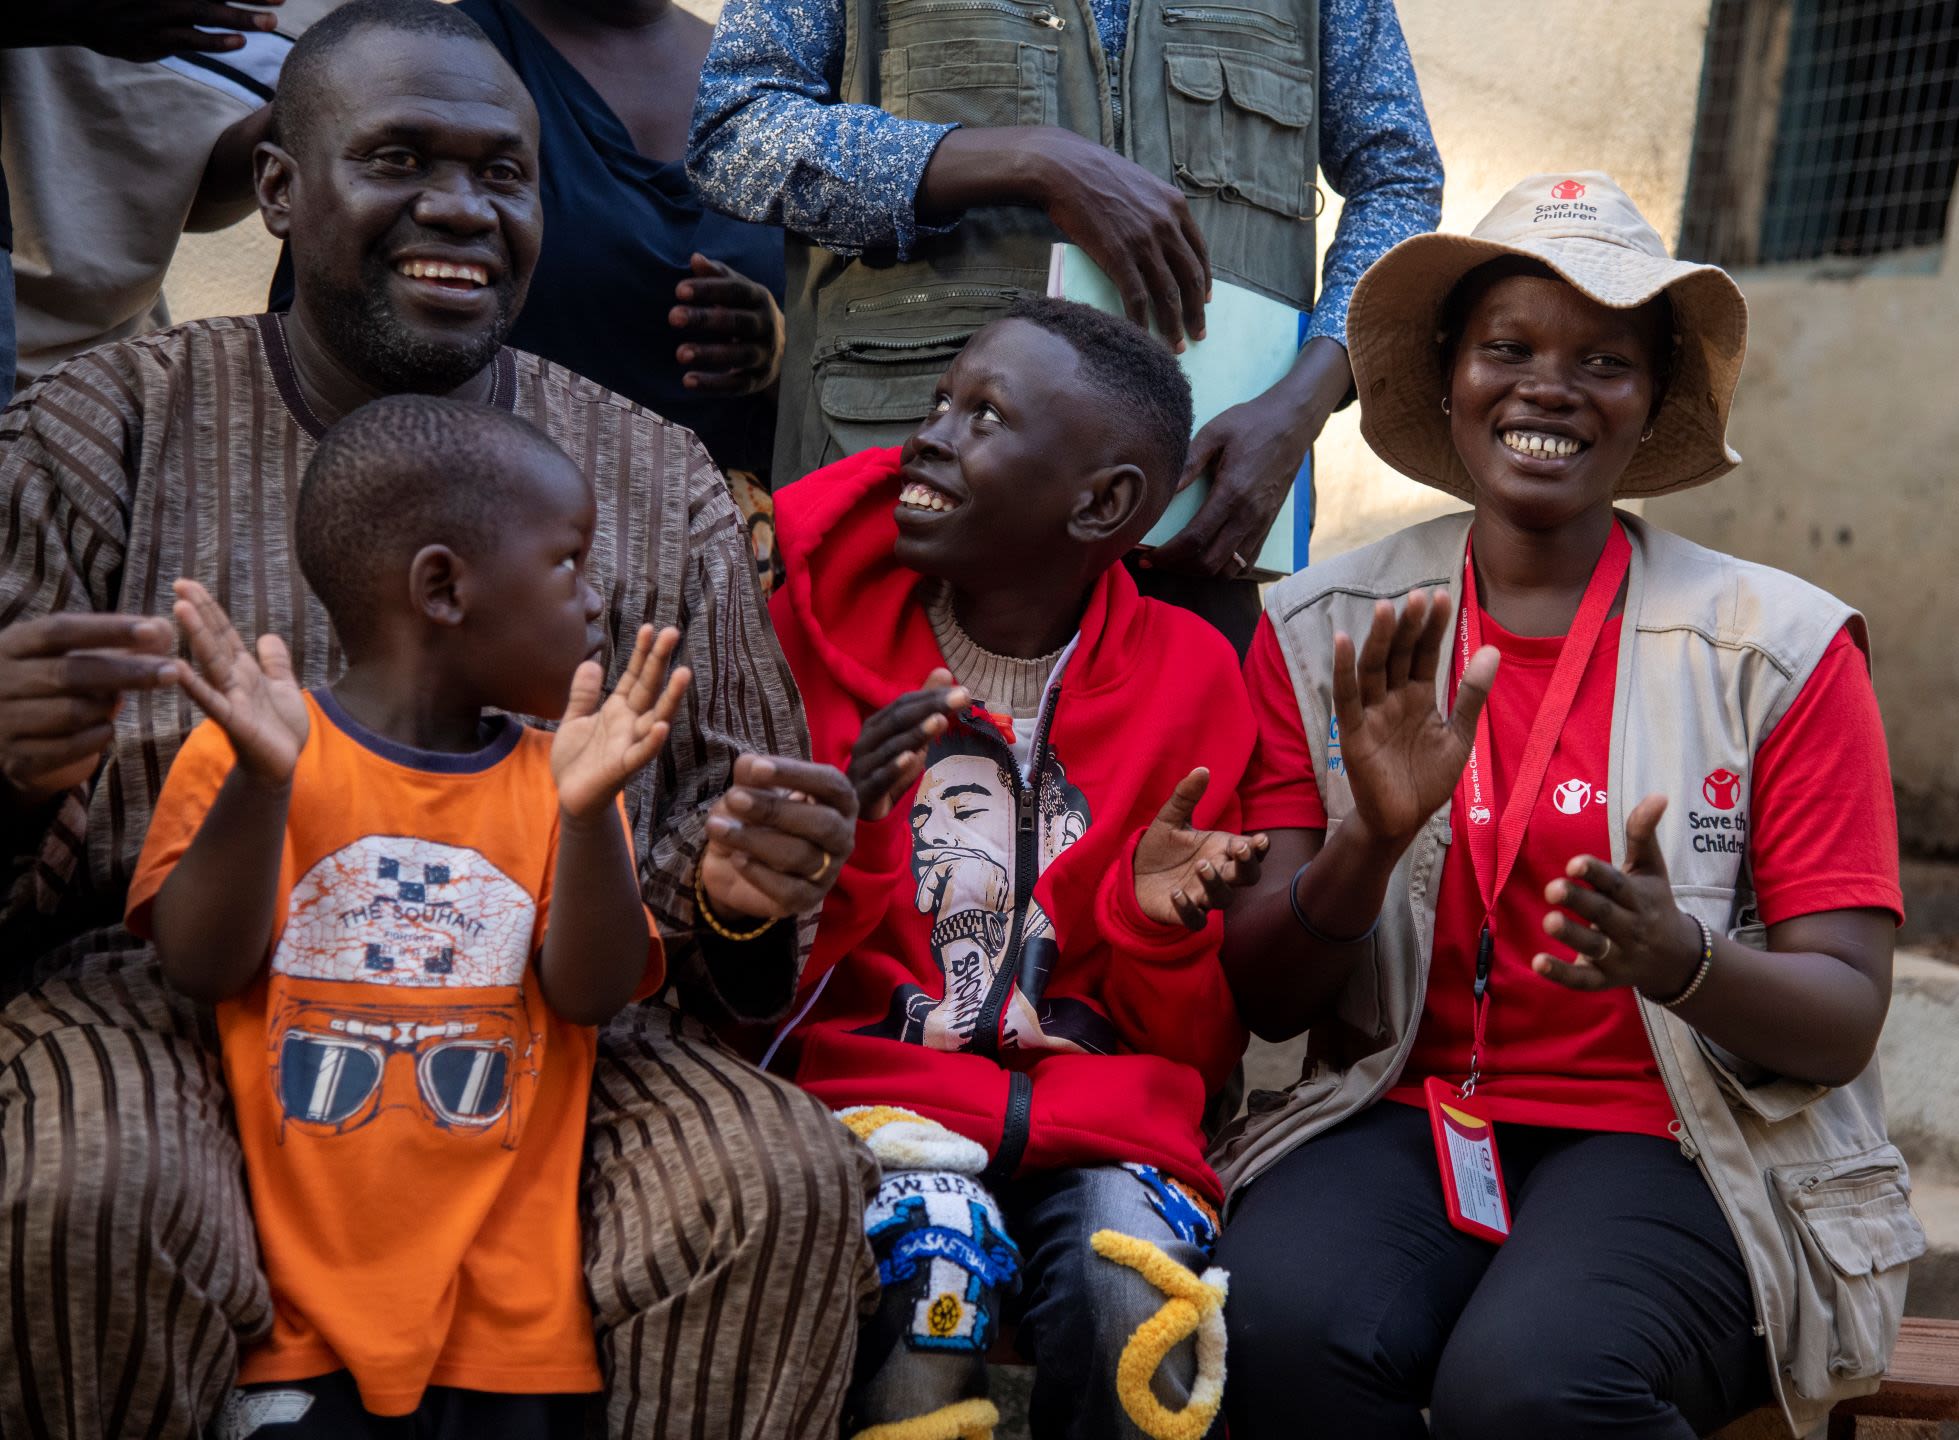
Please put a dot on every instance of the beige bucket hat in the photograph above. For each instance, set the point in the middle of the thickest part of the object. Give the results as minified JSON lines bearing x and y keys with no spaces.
{"x":1582,"y":225}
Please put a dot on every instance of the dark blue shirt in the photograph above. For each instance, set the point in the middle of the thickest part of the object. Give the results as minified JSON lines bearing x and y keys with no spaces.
{"x":618,"y":229}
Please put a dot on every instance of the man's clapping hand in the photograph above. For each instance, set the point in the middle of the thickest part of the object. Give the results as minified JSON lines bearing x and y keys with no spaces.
{"x":777,"y":839}
{"x":62,"y":679}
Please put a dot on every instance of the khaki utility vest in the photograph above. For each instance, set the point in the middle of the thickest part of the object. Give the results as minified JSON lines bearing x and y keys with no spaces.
{"x":1219,"y":97}
{"x":1713,"y":652}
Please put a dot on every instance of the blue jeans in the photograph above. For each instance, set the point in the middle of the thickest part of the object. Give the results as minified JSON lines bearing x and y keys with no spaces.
{"x":956,"y":1260}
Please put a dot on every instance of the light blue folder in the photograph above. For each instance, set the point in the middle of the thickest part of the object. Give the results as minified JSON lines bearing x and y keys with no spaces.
{"x":1252,"y":341}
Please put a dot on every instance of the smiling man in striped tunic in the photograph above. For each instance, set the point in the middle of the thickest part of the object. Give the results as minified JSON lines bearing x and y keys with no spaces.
{"x":723,"y":1245}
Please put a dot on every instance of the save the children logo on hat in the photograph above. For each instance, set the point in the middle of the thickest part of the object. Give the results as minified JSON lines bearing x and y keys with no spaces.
{"x":1568,"y":190}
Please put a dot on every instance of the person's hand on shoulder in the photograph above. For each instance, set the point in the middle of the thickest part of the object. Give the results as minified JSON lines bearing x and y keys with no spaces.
{"x":139,"y":30}
{"x":890,"y":750}
{"x":250,"y":694}
{"x":732,"y":328}
{"x":599,"y":747}
{"x":62,"y":679}
{"x":1183,"y":873}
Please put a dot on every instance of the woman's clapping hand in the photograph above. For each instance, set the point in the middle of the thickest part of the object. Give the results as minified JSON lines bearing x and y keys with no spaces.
{"x":1401,"y":754}
{"x":1628,"y":930}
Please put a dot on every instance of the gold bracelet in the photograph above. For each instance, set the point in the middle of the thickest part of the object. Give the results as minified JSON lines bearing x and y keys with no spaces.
{"x":706,"y":912}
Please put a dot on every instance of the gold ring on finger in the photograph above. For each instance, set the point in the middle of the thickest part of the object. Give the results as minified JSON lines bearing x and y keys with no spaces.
{"x":821,"y":870}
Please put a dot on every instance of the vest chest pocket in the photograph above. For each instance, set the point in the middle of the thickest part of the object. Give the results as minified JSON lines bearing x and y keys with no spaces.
{"x":970,"y":82}
{"x":1239,"y":127}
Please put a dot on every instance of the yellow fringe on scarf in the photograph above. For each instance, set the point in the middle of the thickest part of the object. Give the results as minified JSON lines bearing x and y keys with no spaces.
{"x":961,"y":1420}
{"x":1191,"y":1306}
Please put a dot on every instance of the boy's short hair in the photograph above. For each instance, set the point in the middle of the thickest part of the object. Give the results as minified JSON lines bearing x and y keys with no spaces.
{"x":1132,"y":369}
{"x":397,"y":474}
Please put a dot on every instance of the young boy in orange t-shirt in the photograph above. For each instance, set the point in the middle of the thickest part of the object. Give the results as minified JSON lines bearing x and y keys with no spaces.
{"x":410,"y":911}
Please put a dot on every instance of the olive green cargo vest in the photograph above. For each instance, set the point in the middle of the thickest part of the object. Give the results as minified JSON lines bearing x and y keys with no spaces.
{"x":1713,"y":651}
{"x":1221,"y":97}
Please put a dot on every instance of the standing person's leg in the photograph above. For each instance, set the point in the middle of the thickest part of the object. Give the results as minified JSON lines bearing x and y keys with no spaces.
{"x":132,"y":1269}
{"x":1618,"y":1307}
{"x":724,"y":1238}
{"x":1346,"y":1280}
{"x":1125,"y":1332}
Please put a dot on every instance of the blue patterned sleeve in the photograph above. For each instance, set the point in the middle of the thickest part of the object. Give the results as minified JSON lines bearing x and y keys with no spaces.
{"x":772,"y":144}
{"x":1375,"y":148}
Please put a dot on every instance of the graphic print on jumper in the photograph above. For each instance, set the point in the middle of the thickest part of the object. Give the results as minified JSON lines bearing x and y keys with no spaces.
{"x":966,"y":841}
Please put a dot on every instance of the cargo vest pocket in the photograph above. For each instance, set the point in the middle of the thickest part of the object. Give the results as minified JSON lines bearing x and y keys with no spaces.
{"x":1853,"y":1235}
{"x":870,"y":405}
{"x":1239,"y":127}
{"x":970,"y":82}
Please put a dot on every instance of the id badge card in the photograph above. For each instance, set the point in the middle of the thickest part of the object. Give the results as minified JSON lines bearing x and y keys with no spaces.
{"x":1465,"y":1150}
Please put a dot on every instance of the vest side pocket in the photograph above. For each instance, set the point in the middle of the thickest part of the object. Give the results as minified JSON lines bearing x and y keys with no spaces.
{"x":1852,"y":1236}
{"x":970,"y":82}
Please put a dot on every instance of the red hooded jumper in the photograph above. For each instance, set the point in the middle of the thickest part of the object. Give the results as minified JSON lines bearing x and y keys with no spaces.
{"x":982,"y":959}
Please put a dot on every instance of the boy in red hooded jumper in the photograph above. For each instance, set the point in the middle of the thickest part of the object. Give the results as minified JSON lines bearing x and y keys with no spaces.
{"x":1015,"y":994}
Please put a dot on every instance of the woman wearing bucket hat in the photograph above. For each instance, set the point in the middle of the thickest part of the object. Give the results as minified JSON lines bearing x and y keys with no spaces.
{"x":1593,"y":880}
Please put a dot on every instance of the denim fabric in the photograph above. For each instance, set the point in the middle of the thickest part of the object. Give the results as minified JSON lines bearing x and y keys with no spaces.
{"x":1076,"y":1311}
{"x":770,"y":144}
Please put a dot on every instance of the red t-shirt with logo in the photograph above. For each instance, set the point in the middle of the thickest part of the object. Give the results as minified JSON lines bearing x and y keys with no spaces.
{"x":1824,"y":837}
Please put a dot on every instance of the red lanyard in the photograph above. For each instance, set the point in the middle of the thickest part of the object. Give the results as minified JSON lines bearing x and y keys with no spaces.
{"x":1495,"y":841}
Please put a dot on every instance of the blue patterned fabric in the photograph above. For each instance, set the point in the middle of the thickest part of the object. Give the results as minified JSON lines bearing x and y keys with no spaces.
{"x":1190,"y":1221}
{"x":771,"y":144}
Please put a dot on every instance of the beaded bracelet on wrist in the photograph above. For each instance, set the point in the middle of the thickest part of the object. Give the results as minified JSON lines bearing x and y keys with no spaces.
{"x":1700,"y":971}
{"x":708,"y":917}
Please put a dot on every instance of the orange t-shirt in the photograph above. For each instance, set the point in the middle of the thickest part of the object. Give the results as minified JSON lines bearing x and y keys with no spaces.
{"x":412,"y":1113}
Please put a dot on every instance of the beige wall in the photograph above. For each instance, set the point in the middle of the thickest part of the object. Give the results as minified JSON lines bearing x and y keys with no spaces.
{"x":1848,"y":422}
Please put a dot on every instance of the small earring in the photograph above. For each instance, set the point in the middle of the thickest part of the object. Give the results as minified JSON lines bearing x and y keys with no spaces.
{"x":1646,"y":434}
{"x":1445,"y":404}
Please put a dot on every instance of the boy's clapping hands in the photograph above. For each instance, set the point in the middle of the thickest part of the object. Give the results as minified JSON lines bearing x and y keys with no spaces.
{"x":599,"y":747}
{"x":252,"y":695}
{"x":1183,"y":873}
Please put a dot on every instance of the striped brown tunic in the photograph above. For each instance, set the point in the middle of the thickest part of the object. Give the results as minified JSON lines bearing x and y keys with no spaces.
{"x":724,"y":1246}
{"x":180,"y":454}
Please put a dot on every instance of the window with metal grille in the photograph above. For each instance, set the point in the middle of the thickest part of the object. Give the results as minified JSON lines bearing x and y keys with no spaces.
{"x":1827,"y":128}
